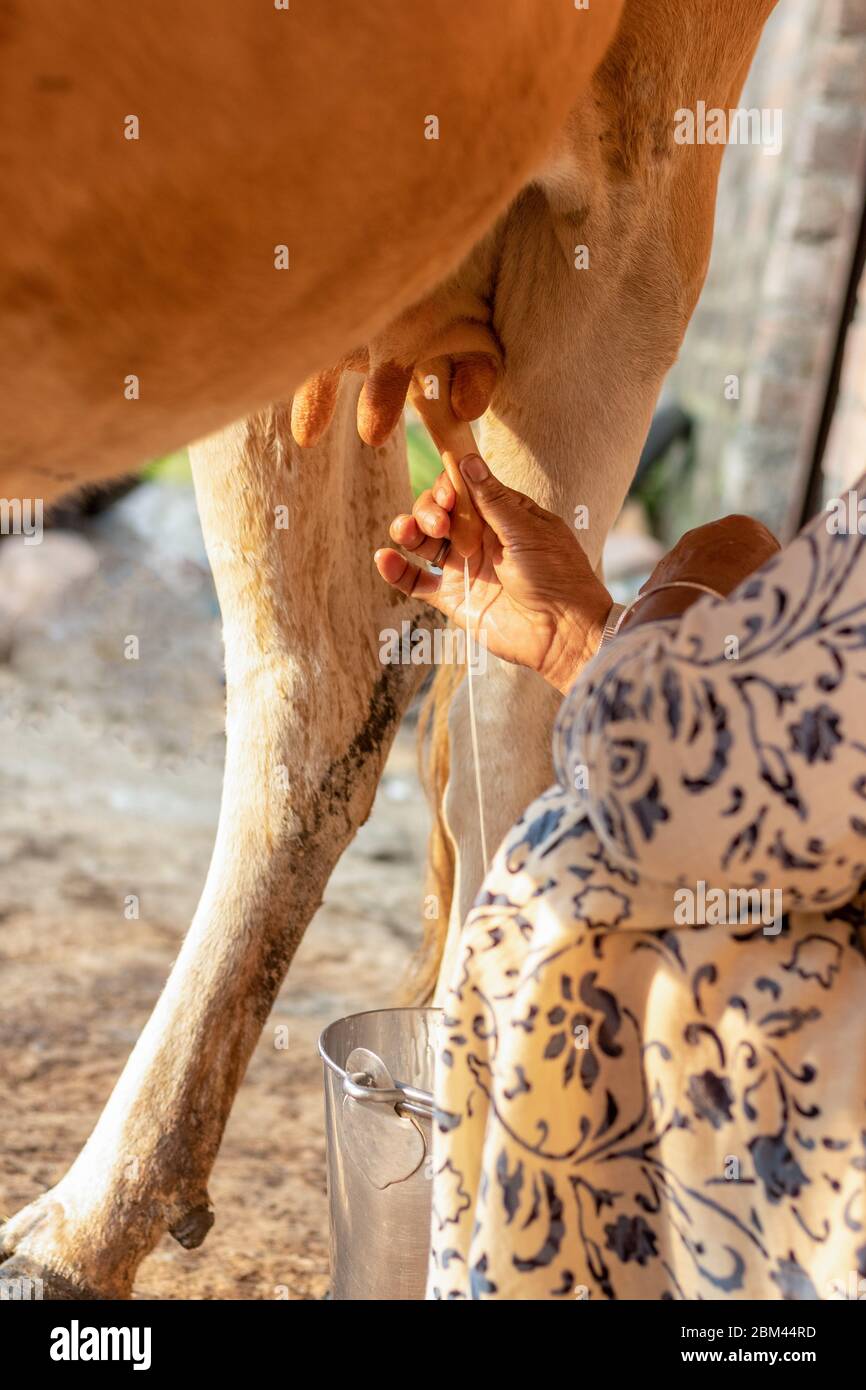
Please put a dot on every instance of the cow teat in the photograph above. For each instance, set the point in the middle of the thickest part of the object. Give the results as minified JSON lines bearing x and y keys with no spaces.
{"x":457,"y":361}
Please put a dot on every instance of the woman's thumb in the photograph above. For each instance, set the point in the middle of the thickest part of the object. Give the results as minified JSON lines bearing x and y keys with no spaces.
{"x":495,"y":503}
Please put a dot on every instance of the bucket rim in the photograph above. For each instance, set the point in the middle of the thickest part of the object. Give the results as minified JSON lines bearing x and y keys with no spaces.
{"x":367,"y":1013}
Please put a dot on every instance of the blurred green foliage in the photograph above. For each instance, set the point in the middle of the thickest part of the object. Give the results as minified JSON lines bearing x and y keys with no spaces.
{"x":173,"y":468}
{"x":425,"y":463}
{"x":663,"y":490}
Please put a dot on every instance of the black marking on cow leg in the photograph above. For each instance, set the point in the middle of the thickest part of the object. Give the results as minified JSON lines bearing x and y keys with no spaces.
{"x":336,"y":788}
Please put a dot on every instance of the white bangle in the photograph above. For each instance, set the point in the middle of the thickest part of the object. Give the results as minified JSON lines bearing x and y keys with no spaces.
{"x":618,"y":614}
{"x":611,"y":623}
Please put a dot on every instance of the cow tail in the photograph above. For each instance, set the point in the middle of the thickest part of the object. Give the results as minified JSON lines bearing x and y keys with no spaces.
{"x":433,"y":758}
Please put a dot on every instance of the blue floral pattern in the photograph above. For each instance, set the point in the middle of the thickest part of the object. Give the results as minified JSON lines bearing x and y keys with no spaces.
{"x":630,"y":1108}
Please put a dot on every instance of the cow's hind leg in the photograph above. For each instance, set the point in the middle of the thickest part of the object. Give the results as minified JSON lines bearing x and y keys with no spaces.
{"x":311,"y":715}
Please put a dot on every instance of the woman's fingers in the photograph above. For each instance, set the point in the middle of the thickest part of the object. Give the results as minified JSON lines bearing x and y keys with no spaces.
{"x":405,"y":531}
{"x":401,"y":574}
{"x":430,"y":523}
{"x":443,"y":492}
{"x":431,"y":519}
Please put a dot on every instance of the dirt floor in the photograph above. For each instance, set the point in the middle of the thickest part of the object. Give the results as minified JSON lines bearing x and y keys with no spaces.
{"x":109,"y":786}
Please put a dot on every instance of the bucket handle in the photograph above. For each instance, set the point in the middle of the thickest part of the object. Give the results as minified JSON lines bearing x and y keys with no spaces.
{"x":402,"y":1097}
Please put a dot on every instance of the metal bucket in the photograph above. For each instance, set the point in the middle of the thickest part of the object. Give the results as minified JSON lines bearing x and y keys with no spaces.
{"x":378,"y":1119}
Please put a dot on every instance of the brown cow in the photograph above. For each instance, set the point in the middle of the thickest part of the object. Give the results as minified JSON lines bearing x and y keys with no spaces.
{"x":154,"y":259}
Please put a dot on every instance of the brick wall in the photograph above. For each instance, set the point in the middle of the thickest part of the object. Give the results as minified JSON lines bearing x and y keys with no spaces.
{"x":769,"y":315}
{"x":845,"y":456}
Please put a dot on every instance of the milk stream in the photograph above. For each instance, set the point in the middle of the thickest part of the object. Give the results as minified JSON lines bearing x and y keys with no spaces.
{"x":473,"y":726}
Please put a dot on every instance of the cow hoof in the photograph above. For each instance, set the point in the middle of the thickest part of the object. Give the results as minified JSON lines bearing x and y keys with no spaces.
{"x":39,"y":1258}
{"x":24,"y":1279}
{"x":194,"y":1226}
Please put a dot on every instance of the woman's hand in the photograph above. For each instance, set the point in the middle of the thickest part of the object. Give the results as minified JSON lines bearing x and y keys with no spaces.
{"x":720,"y":554}
{"x":534,"y":598}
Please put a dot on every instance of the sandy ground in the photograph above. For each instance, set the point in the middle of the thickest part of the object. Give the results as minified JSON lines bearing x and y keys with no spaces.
{"x":109,"y":785}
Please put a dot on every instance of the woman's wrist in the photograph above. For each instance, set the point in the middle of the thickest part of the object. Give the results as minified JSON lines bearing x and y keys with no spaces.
{"x":580,"y":632}
{"x":667,"y":603}
{"x":578,"y":638}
